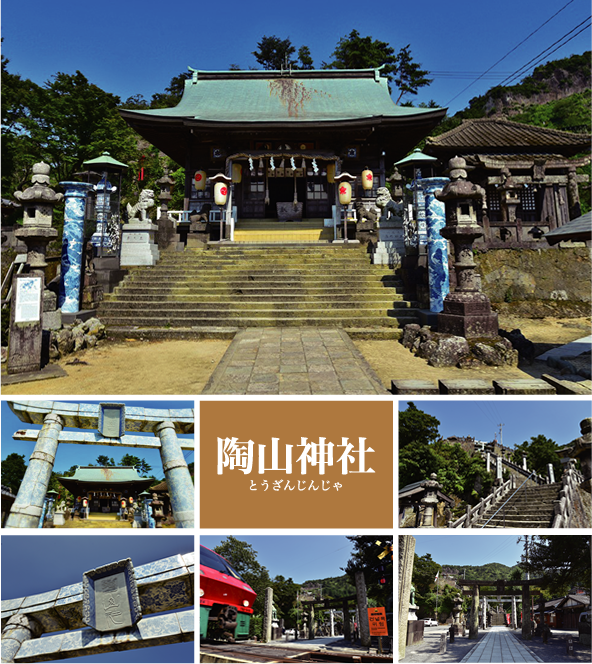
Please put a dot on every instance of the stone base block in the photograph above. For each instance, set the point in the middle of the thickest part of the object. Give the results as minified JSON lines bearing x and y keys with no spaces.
{"x":197,"y":240}
{"x":523,"y":386}
{"x":465,"y":386}
{"x":138,"y":245}
{"x":52,"y":320}
{"x":468,"y":315}
{"x":412,"y":386}
{"x":84,"y":314}
{"x":388,"y":253}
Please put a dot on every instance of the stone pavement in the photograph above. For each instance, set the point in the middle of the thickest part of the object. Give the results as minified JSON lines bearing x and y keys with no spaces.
{"x":304,"y":360}
{"x":500,"y":645}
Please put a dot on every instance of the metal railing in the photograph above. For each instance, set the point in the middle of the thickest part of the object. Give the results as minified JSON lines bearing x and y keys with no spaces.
{"x":510,"y":498}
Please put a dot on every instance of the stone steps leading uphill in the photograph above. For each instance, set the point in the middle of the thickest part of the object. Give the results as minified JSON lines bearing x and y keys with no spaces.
{"x":212,"y":292}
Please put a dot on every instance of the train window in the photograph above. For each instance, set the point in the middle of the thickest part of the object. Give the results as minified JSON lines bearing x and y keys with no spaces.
{"x":214,"y":561}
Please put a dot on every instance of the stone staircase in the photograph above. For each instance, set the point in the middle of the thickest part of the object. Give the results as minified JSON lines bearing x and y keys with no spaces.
{"x":211,"y":292}
{"x":533,"y":509}
{"x":272,"y":230}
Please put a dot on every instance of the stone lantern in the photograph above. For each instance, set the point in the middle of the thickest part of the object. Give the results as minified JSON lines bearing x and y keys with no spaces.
{"x":467,"y":311}
{"x":166,"y":225}
{"x":581,"y":448}
{"x":38,"y":202}
{"x":430,"y":500}
{"x":157,"y":511}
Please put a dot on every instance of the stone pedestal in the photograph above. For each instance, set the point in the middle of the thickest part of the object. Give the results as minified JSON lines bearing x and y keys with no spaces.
{"x":468,"y":315}
{"x":390,"y":248}
{"x":138,"y":243}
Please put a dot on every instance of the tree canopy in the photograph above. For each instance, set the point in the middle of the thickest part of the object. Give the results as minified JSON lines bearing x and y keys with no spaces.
{"x":13,"y":470}
{"x":365,"y":559}
{"x":540,"y":451}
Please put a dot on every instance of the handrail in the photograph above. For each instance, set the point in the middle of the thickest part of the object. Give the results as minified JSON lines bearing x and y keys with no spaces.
{"x":564,"y":510}
{"x":510,"y":498}
{"x":482,"y":505}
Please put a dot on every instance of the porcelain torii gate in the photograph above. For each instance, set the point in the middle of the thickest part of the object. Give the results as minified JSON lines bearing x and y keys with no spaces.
{"x":501,"y":586}
{"x":112,"y":421}
{"x":164,"y":585}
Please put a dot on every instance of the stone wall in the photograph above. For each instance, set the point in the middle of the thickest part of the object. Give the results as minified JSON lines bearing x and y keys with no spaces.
{"x":512,"y":275}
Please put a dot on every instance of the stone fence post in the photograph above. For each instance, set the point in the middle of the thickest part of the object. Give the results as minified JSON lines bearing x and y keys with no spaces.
{"x":267,"y":615}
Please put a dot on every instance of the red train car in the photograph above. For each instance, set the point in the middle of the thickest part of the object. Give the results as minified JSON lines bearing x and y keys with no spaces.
{"x":225,"y":600}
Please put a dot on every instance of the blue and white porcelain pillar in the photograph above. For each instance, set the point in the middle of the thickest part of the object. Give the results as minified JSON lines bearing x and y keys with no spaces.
{"x":438,"y":272}
{"x":72,"y":245}
{"x":177,"y":475}
{"x":28,"y":506}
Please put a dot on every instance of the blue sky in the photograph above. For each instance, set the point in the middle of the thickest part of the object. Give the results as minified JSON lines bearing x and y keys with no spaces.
{"x":29,"y":568}
{"x":522,"y":419}
{"x":136,"y":47}
{"x":83,"y":455}
{"x":300,"y":557}
{"x":471,"y":549}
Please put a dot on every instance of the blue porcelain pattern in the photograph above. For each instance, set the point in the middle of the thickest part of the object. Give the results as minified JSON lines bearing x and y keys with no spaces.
{"x":164,"y":585}
{"x":72,"y":245}
{"x":439,"y":277}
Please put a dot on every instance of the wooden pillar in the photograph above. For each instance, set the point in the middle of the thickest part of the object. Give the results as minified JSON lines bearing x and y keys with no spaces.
{"x":474,"y":624}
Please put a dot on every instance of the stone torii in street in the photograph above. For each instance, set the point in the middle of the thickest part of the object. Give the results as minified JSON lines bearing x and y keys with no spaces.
{"x":112,"y":421}
{"x":501,"y":587}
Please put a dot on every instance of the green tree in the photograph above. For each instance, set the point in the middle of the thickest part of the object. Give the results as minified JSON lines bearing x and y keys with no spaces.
{"x":275,"y":53}
{"x":356,"y":52}
{"x":172,"y":93}
{"x":104,"y":460}
{"x":13,"y":470}
{"x":305,"y":58}
{"x":141,"y":465}
{"x":417,"y":459}
{"x":365,"y":559}
{"x":417,"y":427}
{"x":539,"y":452}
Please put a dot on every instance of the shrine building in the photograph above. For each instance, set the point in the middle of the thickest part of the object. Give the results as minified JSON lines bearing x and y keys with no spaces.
{"x":106,"y":486}
{"x":529,"y":174}
{"x":283,"y":136}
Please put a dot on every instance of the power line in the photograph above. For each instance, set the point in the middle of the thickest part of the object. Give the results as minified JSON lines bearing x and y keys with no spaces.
{"x":543,"y":54}
{"x":508,"y":53}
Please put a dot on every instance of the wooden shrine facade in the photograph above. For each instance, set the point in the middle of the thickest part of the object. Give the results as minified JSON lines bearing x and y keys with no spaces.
{"x":529,"y":175}
{"x":105,"y":487}
{"x":283,"y":135}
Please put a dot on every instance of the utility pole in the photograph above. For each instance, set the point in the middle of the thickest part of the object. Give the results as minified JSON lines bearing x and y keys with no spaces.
{"x":500,"y":434}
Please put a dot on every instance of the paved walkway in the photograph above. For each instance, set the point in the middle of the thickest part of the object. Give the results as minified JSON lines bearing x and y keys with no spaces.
{"x":307,"y":360}
{"x":500,"y":645}
{"x":572,"y":349}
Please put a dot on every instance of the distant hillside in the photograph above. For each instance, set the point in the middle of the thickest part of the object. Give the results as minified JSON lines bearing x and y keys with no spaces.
{"x":491,"y":571}
{"x":555,"y":95}
{"x":335,"y":586}
{"x":552,"y":81}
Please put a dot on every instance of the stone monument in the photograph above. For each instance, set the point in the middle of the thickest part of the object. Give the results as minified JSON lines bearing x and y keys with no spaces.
{"x":138,"y":244}
{"x":390,"y":248}
{"x":167,"y":235}
{"x":33,"y":308}
{"x":406,"y":558}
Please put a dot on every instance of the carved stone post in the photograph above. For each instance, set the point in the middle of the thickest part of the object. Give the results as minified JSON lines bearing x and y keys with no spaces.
{"x":514,"y":613}
{"x":362,"y":601}
{"x":27,"y":508}
{"x":177,"y":475}
{"x":406,"y":558}
{"x":347,"y":635}
{"x":474,"y":624}
{"x":267,"y":615}
{"x":526,"y":615}
{"x":18,"y":629}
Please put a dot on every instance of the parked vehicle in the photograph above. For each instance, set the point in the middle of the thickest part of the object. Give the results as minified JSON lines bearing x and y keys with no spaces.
{"x":430,"y":622}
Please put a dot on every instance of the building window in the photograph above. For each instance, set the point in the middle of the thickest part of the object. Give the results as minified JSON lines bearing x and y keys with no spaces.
{"x":316,"y":191}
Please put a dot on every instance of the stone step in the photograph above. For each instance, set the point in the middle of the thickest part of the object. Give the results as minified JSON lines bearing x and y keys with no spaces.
{"x":212,"y":292}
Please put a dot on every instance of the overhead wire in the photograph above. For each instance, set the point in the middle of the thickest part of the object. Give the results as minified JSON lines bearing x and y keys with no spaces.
{"x":545,"y":54}
{"x":508,"y":53}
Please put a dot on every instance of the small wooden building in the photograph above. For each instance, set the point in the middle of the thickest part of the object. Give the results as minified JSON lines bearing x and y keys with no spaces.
{"x":529,"y":174}
{"x":283,"y":135}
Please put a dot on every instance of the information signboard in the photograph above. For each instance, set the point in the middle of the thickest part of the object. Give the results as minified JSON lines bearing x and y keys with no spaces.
{"x":377,"y":621}
{"x":28,"y":295}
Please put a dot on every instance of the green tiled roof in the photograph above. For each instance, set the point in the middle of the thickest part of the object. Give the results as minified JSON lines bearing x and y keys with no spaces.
{"x":273,"y":96}
{"x":111,"y":474}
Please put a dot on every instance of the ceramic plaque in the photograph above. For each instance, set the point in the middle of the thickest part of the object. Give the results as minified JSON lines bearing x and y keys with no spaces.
{"x":110,"y":597}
